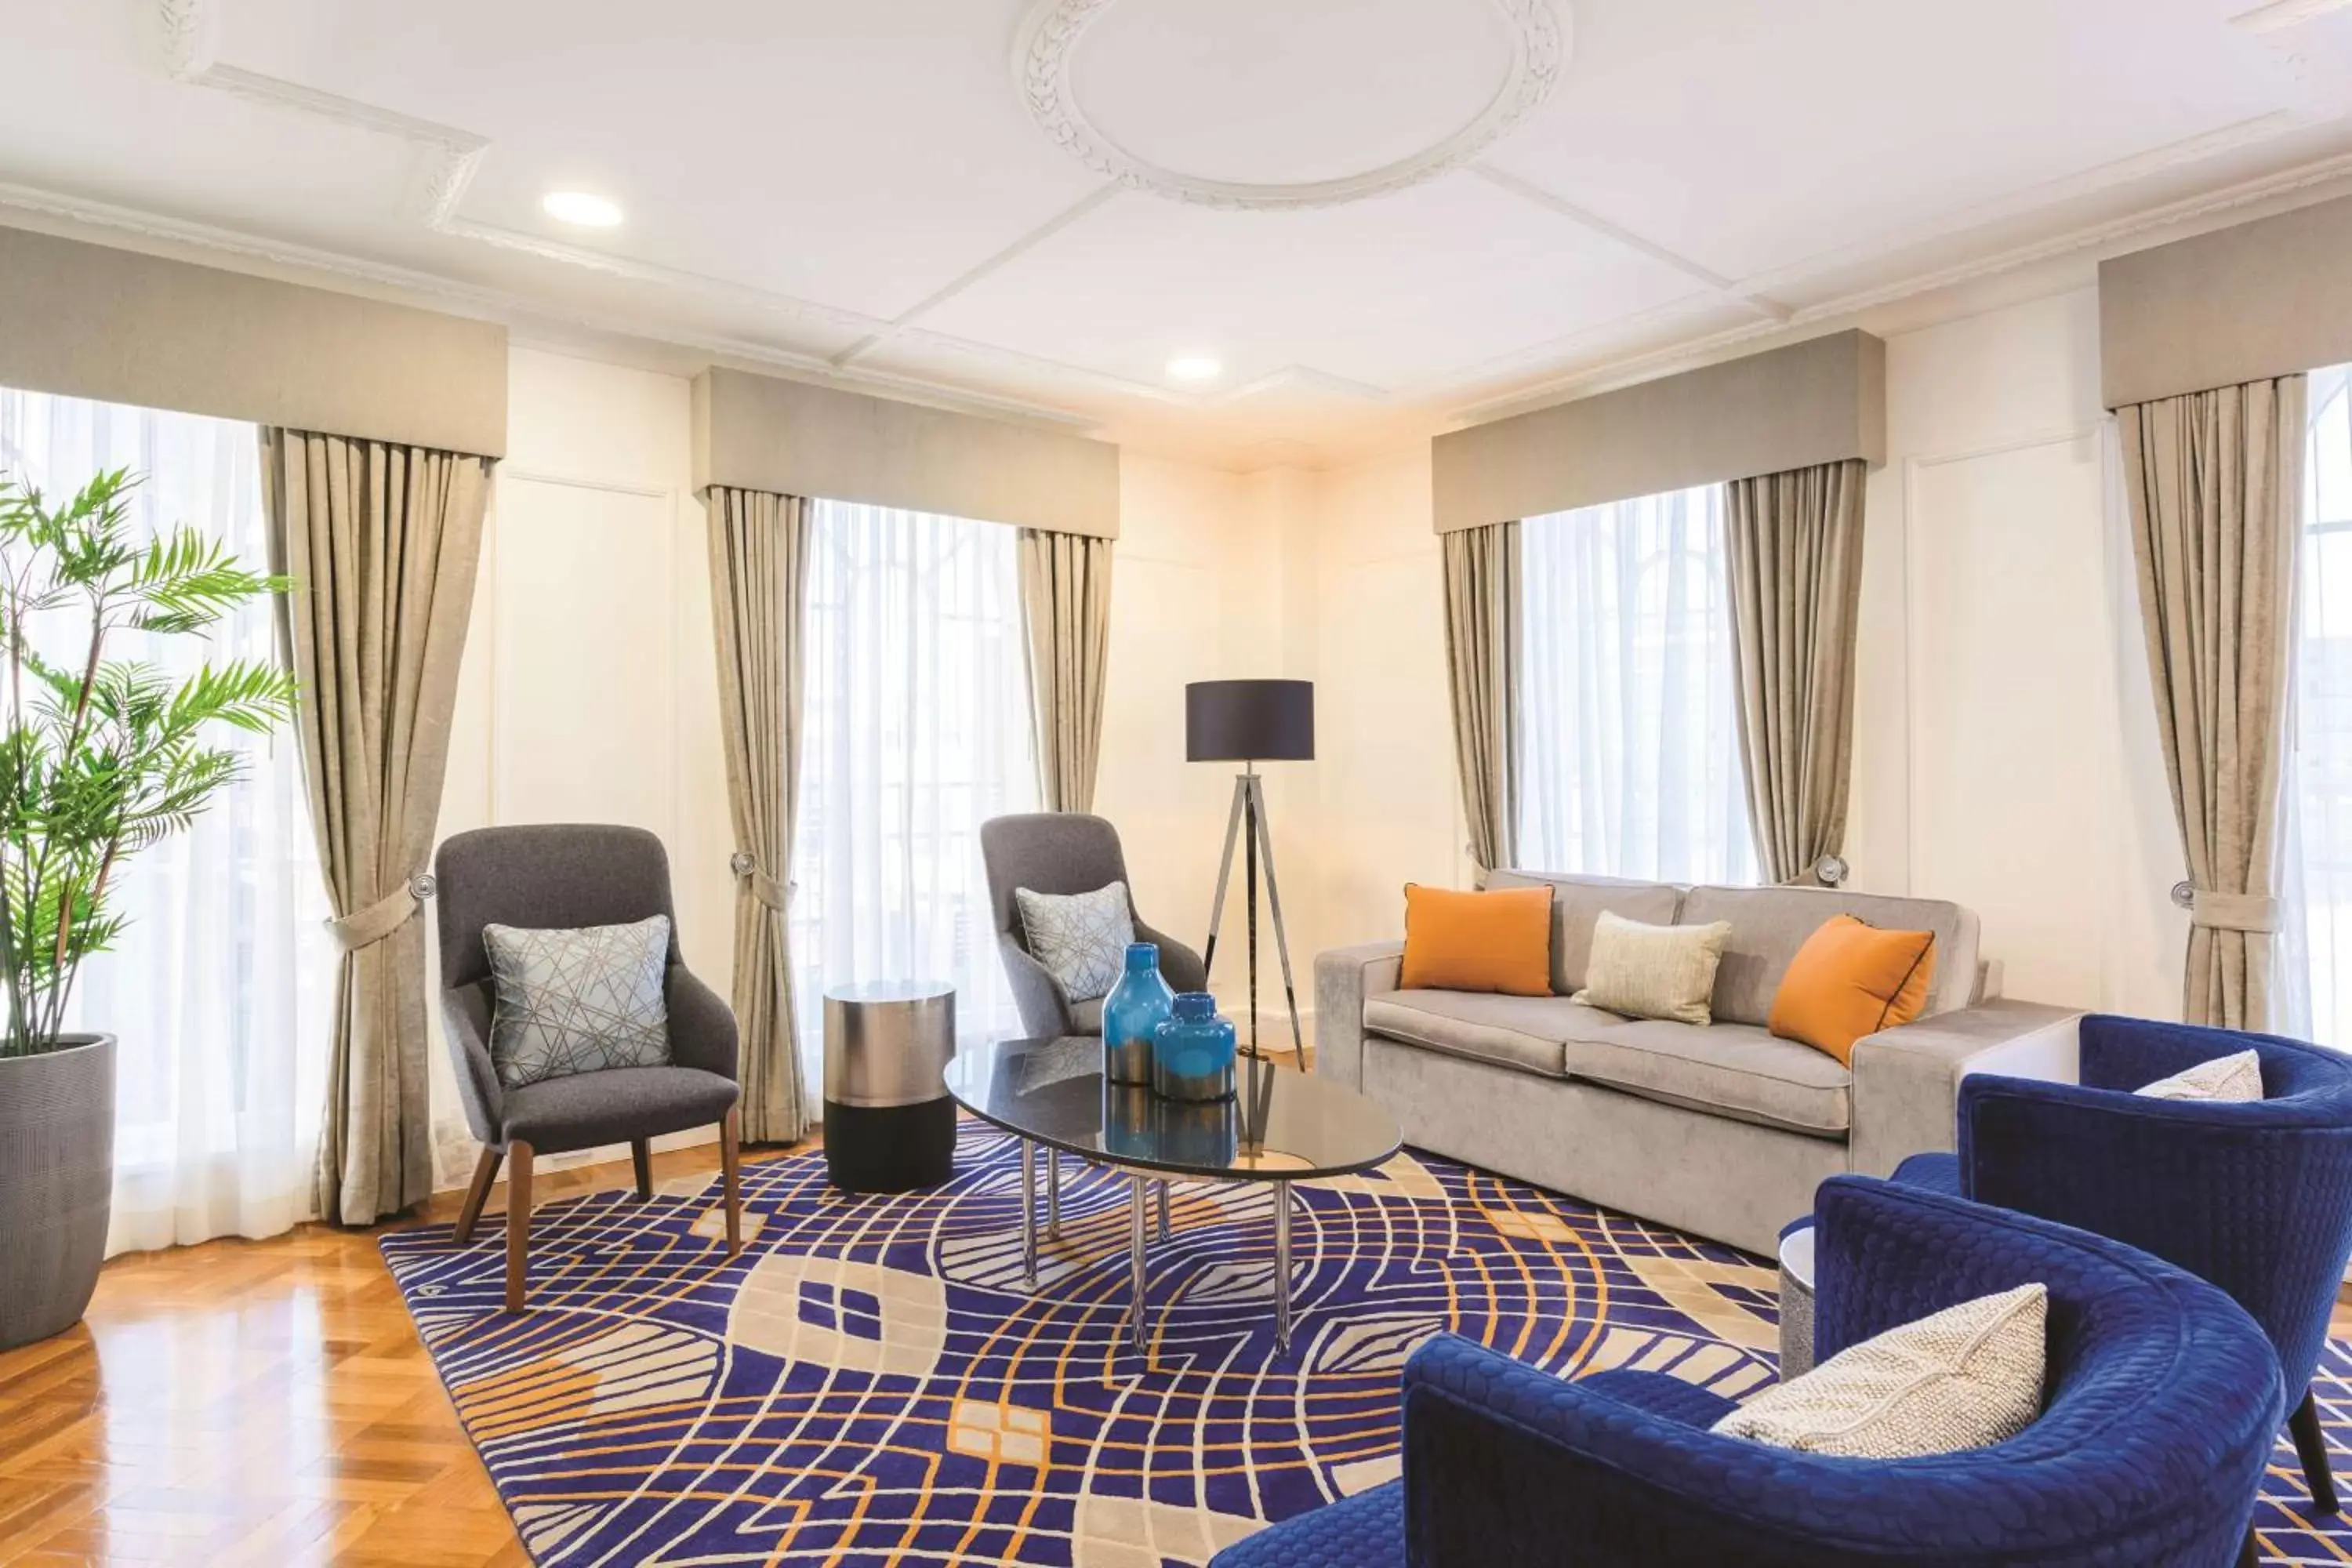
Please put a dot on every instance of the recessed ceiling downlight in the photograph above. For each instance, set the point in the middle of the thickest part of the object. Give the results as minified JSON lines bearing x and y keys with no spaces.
{"x":584,"y":208}
{"x":1194,"y":367}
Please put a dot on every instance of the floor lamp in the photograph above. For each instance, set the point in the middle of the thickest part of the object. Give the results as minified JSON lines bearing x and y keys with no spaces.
{"x":1249,"y":722}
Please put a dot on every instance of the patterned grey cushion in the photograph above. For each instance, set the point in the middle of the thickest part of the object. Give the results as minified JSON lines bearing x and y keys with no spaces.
{"x":577,"y":1000}
{"x":1081,"y":938}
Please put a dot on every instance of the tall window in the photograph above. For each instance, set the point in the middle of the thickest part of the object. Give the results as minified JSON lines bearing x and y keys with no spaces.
{"x":917,"y":730}
{"x":2320,"y":812}
{"x":220,"y":986}
{"x":1629,"y":757}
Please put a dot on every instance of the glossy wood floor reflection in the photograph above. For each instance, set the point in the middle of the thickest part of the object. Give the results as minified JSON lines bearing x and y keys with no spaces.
{"x":254,"y":1403}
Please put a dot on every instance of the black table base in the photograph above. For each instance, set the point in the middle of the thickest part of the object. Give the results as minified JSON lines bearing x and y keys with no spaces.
{"x":893,"y":1149}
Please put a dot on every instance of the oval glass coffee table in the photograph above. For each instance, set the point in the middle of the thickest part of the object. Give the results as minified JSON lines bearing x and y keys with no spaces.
{"x":1281,"y":1126}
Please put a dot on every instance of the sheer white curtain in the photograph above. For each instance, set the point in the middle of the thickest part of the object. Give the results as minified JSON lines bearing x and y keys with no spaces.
{"x":220,"y":988}
{"x":2318,"y":852}
{"x":917,"y":729}
{"x":1629,"y":746}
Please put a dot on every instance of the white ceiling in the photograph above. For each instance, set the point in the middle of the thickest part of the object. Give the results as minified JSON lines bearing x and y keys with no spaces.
{"x":872,"y":190}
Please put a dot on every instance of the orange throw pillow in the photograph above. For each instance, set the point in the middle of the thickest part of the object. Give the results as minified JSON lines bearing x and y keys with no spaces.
{"x":1497,"y":941}
{"x":1850,"y":980}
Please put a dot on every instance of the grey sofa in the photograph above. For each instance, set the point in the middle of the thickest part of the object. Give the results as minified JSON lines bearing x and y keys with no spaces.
{"x":1062,"y":852}
{"x":1724,"y":1131}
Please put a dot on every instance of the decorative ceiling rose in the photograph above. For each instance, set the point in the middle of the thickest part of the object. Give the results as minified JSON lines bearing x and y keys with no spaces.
{"x":1049,"y":34}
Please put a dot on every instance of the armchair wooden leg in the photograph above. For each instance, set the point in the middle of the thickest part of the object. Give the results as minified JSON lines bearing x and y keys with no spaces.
{"x":640,"y":1155}
{"x":486,"y":1172}
{"x":517,"y":1221}
{"x":2250,"y":1555}
{"x":730,"y":1133}
{"x":2311,"y":1448}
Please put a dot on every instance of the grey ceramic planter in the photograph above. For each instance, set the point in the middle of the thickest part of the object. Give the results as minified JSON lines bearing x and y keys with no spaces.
{"x":57,"y":1185}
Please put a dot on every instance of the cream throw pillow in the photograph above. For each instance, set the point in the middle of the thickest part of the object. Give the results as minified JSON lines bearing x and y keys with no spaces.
{"x":2237,"y":1077}
{"x":1967,"y":1377}
{"x":1653,"y":972}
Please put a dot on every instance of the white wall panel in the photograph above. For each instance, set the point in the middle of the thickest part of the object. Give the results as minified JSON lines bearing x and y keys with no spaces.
{"x":583,"y":655}
{"x":2015,"y":753}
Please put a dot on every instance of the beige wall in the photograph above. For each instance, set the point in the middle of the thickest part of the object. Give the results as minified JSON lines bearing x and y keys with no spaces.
{"x":1388,"y":807}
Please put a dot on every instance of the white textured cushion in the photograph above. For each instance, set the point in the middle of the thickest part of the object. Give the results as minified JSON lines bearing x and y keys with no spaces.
{"x":1082,"y":937}
{"x":1652,"y":972}
{"x":1966,"y":1377}
{"x":2234,"y":1077}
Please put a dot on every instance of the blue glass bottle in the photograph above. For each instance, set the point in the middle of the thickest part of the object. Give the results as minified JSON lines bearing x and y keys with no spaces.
{"x":1135,"y":1007}
{"x":1192,"y":1053}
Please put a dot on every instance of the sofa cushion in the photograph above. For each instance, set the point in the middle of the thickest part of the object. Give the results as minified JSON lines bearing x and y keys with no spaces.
{"x":1653,"y":972}
{"x":1521,"y":1032}
{"x":1769,"y":924}
{"x":1728,"y":1069}
{"x":1731,"y":1069}
{"x":1497,"y":940}
{"x":1576,"y":905}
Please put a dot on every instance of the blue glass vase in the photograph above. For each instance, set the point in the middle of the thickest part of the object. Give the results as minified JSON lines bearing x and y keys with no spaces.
{"x":1192,"y":1053}
{"x":1136,"y":1006}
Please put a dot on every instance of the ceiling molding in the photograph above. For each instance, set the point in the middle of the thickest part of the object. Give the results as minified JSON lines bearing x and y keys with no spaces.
{"x":1048,"y":38}
{"x":1602,"y":376}
{"x":450,"y":156}
{"x":2281,"y":14}
{"x":1528,"y":191}
{"x":964,"y":280}
{"x":1959,"y":223}
{"x":168,"y":235}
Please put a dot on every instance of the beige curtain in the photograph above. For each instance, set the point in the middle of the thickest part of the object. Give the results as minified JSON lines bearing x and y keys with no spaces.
{"x":1066,"y":600}
{"x":1482,"y":660}
{"x":759,"y":575}
{"x":1793,"y":542}
{"x":382,"y":542}
{"x":2216,"y":486}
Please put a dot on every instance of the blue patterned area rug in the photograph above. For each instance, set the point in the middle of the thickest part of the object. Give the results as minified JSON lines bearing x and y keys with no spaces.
{"x":869,"y":1382}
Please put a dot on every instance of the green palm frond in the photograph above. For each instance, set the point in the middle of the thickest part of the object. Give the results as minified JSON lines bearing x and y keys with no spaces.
{"x":102,"y":758}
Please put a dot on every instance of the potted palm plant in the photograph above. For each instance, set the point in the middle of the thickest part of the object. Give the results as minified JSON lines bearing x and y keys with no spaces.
{"x":100,"y":756}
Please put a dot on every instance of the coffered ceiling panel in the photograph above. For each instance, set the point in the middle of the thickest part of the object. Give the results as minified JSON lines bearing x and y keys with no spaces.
{"x":1379,"y":216}
{"x":1754,"y":138}
{"x":1383,"y":292}
{"x":858,"y":155}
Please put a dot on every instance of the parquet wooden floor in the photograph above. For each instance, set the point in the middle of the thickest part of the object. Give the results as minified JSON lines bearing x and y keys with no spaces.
{"x":254,"y":1403}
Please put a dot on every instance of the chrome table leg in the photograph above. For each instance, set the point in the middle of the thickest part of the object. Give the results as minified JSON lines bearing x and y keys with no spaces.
{"x":1282,"y":1267}
{"x":1135,"y":1207}
{"x":1028,"y":1214}
{"x":1163,"y":1211}
{"x":1054,"y":1194}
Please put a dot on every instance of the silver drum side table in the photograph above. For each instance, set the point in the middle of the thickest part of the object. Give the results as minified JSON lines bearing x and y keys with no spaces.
{"x":889,"y":1126}
{"x":1797,"y":1301}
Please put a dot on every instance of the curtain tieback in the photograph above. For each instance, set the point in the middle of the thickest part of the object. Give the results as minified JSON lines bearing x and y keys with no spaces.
{"x":2233,"y":911}
{"x":766,"y":888}
{"x":383,"y":917}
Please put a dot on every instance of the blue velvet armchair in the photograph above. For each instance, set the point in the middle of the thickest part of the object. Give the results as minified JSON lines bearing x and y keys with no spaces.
{"x":2163,"y":1398}
{"x":2254,"y":1196}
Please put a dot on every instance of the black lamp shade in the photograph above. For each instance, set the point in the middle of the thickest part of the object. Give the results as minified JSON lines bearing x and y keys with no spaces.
{"x":1249,"y":721}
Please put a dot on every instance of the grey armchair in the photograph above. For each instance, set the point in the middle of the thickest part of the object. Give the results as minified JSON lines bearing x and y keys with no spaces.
{"x":557,"y":877}
{"x":1062,"y":852}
